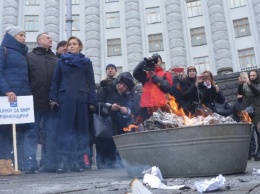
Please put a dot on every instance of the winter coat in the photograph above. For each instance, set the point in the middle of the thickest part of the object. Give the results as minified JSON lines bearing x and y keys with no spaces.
{"x":41,"y":62}
{"x":13,"y":67}
{"x":154,"y":88}
{"x":251,"y":96}
{"x":105,"y":100}
{"x":73,"y":87}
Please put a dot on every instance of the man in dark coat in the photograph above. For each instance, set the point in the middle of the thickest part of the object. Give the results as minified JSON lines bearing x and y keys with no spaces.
{"x":42,"y":61}
{"x":116,"y":102}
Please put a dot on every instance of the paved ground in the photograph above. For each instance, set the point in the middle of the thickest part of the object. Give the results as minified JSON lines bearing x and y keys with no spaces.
{"x":117,"y":182}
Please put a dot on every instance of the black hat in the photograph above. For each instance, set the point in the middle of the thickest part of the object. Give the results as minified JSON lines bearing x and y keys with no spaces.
{"x":127,"y":79}
{"x":111,"y":65}
{"x":61,"y":43}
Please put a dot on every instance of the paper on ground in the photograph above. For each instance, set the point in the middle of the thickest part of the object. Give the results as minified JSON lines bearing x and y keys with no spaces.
{"x":256,"y":171}
{"x":153,"y":178}
{"x":213,"y":184}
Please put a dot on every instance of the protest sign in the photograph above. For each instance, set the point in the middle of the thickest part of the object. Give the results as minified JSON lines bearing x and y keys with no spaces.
{"x":17,"y":112}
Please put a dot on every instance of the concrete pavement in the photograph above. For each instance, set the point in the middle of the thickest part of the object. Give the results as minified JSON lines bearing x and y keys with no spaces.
{"x":117,"y":182}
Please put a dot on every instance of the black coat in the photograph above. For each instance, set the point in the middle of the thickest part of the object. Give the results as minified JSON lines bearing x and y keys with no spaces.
{"x":41,"y":63}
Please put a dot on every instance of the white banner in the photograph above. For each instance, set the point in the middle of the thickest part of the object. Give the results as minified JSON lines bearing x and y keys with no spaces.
{"x":17,"y":112}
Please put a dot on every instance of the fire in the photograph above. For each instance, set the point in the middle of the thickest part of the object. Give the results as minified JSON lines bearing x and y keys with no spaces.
{"x":174,"y":107}
{"x":245,"y":117}
{"x":130,"y":127}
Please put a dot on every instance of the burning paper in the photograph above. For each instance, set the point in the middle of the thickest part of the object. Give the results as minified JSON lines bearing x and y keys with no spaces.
{"x":213,"y":184}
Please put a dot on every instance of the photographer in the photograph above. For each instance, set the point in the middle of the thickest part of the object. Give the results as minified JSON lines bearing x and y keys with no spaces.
{"x":156,"y":83}
{"x":111,"y":72}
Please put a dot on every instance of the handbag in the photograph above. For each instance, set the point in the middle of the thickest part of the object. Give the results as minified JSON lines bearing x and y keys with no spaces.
{"x":103,"y":126}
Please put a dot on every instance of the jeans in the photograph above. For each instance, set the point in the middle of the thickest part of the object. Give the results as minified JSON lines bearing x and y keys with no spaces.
{"x":47,"y":120}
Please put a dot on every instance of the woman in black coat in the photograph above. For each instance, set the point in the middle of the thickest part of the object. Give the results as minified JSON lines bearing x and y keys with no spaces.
{"x":117,"y":102}
{"x":73,"y":93}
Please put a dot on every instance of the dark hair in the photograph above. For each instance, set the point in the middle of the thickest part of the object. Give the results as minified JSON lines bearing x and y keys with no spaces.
{"x":76,"y":38}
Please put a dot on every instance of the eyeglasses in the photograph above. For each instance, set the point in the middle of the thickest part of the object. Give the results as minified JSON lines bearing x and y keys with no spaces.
{"x":122,"y":84}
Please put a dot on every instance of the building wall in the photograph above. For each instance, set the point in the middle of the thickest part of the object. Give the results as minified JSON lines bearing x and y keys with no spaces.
{"x":217,"y":17}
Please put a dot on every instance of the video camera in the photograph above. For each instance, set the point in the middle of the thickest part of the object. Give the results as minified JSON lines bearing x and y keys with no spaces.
{"x":150,"y":62}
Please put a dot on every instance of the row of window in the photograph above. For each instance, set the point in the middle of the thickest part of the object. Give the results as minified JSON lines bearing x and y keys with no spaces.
{"x":73,"y":2}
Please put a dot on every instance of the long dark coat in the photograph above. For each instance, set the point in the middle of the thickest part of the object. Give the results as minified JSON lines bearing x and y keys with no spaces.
{"x":73,"y":87}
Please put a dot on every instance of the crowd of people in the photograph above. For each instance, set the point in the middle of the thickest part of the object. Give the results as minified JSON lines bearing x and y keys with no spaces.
{"x":66,"y":97}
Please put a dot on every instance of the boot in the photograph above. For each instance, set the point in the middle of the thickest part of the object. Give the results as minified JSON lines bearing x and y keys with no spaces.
{"x":9,"y":165}
{"x":62,"y":164}
{"x":257,"y":156}
{"x":3,"y":169}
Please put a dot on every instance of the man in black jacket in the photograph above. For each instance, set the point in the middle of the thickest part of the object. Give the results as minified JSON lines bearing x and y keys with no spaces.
{"x":42,"y":61}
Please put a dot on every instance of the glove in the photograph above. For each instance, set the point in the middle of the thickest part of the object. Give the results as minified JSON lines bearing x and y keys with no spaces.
{"x":53,"y":104}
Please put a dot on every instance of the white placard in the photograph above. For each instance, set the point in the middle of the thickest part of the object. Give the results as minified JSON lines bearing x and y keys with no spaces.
{"x":20,"y":111}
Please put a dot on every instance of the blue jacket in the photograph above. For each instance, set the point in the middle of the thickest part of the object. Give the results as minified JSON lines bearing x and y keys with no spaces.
{"x":13,"y":67}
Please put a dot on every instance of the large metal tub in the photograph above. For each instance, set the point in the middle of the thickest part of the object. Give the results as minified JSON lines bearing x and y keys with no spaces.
{"x":187,"y":152}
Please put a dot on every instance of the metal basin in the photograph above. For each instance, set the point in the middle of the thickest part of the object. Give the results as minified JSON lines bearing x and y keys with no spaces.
{"x":187,"y":152}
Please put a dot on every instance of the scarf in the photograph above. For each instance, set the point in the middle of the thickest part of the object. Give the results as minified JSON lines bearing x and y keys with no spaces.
{"x":78,"y":60}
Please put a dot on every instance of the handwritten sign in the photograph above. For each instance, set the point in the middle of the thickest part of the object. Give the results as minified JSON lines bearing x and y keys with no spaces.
{"x":17,"y":112}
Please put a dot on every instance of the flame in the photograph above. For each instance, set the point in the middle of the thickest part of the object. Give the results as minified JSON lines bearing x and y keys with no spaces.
{"x":174,"y":107}
{"x":245,"y":117}
{"x":129,"y":127}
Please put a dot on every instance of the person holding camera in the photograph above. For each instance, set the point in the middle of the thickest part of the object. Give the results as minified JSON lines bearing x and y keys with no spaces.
{"x":250,"y":89}
{"x":111,"y":74}
{"x":156,"y":83}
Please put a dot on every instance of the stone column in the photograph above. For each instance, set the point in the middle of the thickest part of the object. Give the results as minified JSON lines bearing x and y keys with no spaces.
{"x":256,"y":5}
{"x":92,"y":34}
{"x":175,"y":33}
{"x":133,"y":34}
{"x":52,"y":20}
{"x":219,"y":35}
{"x":10,"y":14}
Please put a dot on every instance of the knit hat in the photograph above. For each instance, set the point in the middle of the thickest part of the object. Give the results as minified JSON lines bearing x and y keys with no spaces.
{"x":191,"y":68}
{"x":61,"y":43}
{"x":127,"y":79}
{"x":111,"y":65}
{"x":13,"y":30}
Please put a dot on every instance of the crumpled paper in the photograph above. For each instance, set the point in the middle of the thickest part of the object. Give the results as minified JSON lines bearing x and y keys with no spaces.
{"x":213,"y":184}
{"x":256,"y":171}
{"x":153,"y":178}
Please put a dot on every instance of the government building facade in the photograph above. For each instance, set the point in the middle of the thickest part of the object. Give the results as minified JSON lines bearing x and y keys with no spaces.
{"x":217,"y":35}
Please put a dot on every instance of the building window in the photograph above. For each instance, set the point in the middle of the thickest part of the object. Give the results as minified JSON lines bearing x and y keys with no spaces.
{"x":201,"y":64}
{"x":114,"y":47}
{"x":194,"y":8}
{"x":241,"y":27}
{"x":111,"y":1}
{"x":75,"y":23}
{"x":247,"y":59}
{"x":75,"y":2}
{"x":155,"y":42}
{"x":113,"y":20}
{"x":237,"y":3}
{"x":32,"y":2}
{"x":31,"y":45}
{"x":153,"y":15}
{"x":119,"y":69}
{"x":198,"y":36}
{"x":31,"y":23}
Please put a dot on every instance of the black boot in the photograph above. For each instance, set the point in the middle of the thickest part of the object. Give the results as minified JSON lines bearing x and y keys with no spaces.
{"x":257,"y":156}
{"x":62,"y":164}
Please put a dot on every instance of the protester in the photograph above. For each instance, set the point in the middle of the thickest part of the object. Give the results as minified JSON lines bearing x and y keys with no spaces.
{"x":116,"y":102}
{"x":156,"y":83}
{"x":61,"y":48}
{"x":73,"y":93}
{"x":14,"y":82}
{"x":250,"y":89}
{"x":41,"y":62}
